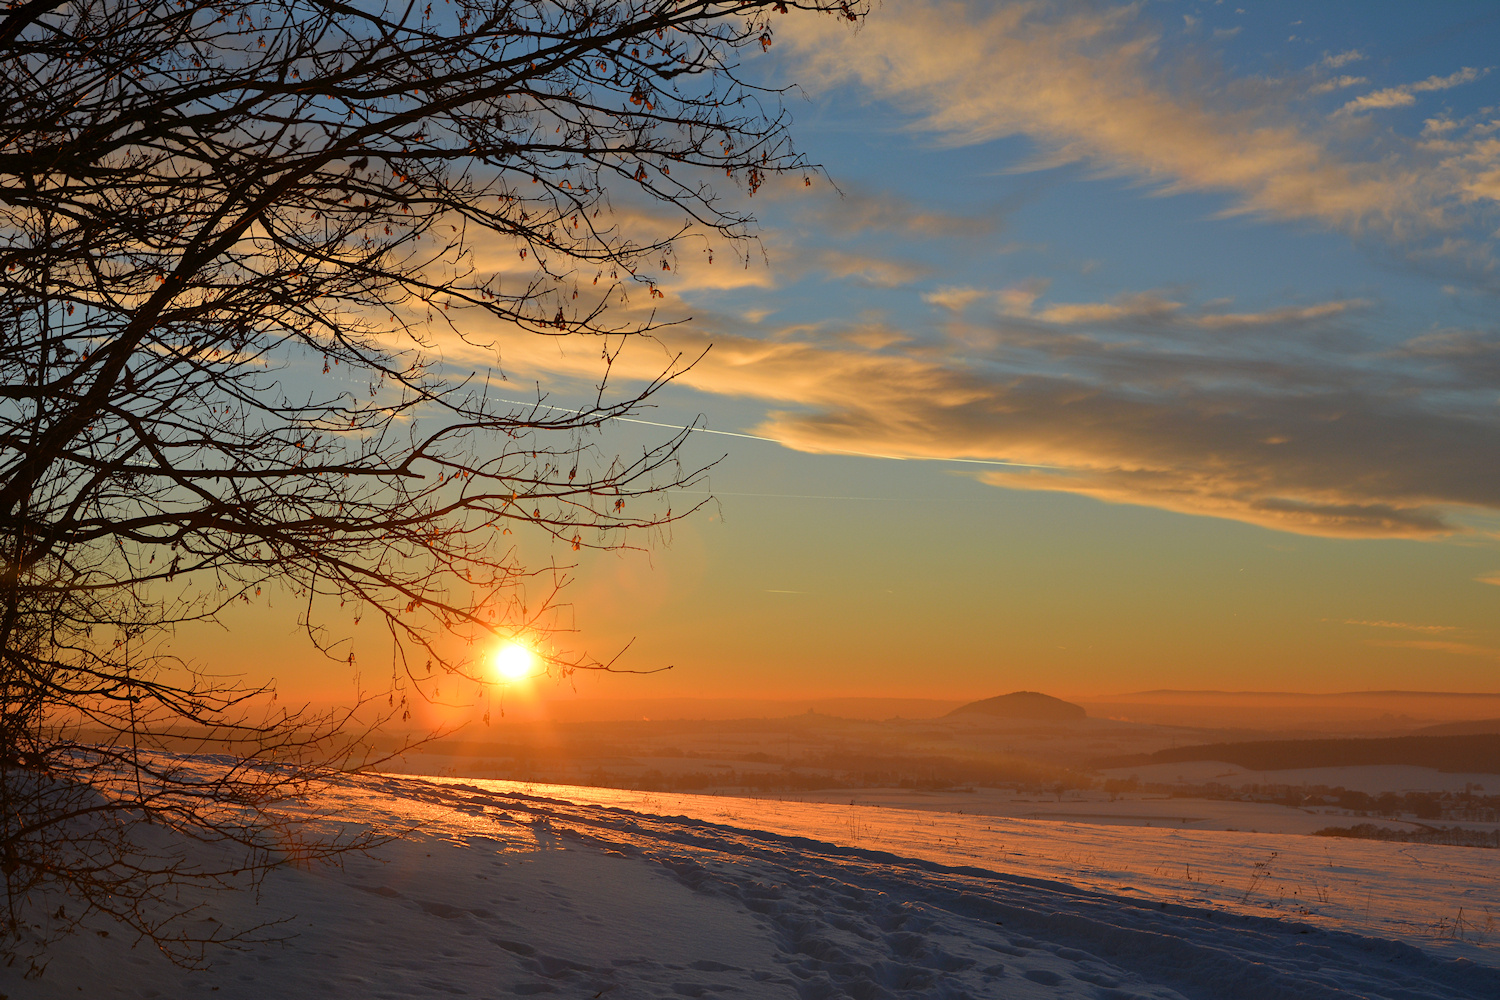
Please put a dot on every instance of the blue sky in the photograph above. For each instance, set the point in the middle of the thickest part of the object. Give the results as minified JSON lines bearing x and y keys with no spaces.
{"x":1220,"y":281}
{"x":1230,"y":273}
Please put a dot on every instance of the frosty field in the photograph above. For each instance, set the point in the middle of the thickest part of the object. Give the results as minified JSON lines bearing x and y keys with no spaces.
{"x":501,"y":890}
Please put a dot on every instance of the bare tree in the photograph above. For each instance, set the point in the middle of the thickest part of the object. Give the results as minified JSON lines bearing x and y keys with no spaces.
{"x":205,"y":208}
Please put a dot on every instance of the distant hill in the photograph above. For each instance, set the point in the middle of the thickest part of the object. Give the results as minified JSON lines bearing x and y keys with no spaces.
{"x":1474,"y":727}
{"x":1024,"y":705}
{"x":1479,"y":754}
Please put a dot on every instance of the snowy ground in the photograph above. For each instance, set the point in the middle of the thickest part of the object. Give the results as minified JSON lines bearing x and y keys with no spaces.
{"x":1443,"y":899}
{"x":1125,"y":809}
{"x":503,"y":890}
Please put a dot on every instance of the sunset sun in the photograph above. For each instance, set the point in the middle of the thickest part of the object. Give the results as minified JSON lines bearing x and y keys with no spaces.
{"x":514,"y":661}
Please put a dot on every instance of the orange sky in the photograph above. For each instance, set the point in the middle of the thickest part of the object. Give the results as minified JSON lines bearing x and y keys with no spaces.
{"x":1222,"y":284}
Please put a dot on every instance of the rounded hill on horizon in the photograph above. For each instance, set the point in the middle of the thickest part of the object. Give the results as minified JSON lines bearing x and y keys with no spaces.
{"x":1032,"y":705}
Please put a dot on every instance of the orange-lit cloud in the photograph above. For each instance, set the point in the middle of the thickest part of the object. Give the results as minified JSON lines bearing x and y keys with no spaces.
{"x":1152,"y":307}
{"x":1404,"y":626}
{"x":1405,"y":94}
{"x":1144,"y":397}
{"x":1259,"y":429}
{"x":1091,"y":84}
{"x":1147,"y":398}
{"x":868,"y":269}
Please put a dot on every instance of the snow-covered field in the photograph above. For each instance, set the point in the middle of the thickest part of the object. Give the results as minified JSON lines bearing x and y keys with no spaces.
{"x":1146,"y":809}
{"x":1371,"y":779}
{"x":504,"y":890}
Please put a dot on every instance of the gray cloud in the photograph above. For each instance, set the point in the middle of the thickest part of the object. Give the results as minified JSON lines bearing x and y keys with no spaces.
{"x":1330,"y":463}
{"x":1266,"y":426}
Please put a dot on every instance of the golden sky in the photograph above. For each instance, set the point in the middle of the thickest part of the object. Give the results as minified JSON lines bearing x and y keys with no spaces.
{"x":1123,"y":347}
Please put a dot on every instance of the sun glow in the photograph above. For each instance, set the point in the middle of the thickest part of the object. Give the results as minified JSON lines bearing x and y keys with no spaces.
{"x":514,"y":661}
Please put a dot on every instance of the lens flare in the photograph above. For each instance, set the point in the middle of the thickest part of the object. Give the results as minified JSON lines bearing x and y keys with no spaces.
{"x":514,"y":661}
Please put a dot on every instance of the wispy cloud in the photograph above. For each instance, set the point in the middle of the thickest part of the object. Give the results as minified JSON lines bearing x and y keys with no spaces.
{"x":868,"y":269}
{"x":1337,"y":83}
{"x":1152,"y":307}
{"x":855,"y":211}
{"x":1405,"y":626}
{"x":1278,"y":413}
{"x":1340,"y":59}
{"x":1405,"y":94}
{"x":1263,"y":427}
{"x":1093,"y":84}
{"x":956,"y":299}
{"x":1286,"y":316}
{"x":1139,"y":306}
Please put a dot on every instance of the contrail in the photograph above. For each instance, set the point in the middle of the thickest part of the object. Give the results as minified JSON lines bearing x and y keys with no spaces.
{"x":798,"y":496}
{"x":771,"y":440}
